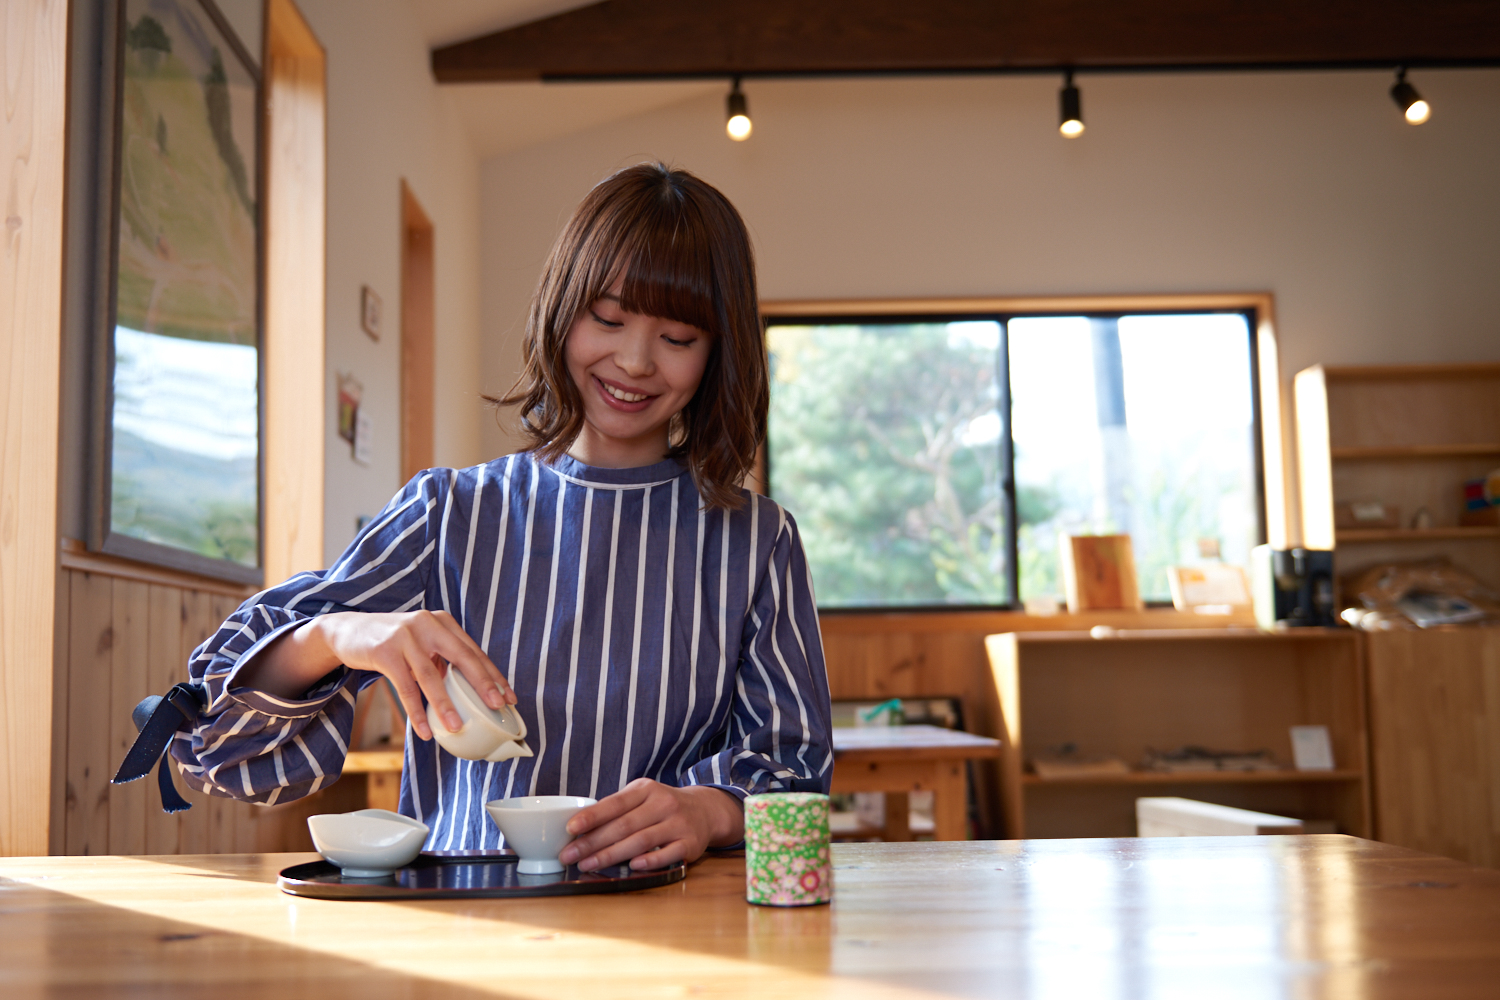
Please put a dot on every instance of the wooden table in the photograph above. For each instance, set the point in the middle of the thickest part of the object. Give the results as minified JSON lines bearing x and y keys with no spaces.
{"x":898,"y":760}
{"x":1243,"y":917}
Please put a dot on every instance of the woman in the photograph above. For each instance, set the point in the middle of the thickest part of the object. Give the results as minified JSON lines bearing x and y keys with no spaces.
{"x":653,"y":622}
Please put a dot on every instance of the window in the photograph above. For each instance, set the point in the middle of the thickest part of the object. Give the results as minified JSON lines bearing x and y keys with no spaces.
{"x":937,"y":459}
{"x":178,"y":477}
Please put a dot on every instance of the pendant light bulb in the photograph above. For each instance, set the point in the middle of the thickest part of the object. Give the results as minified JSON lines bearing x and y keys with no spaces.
{"x":738,"y":123}
{"x":1070,"y":120}
{"x":1409,"y":101}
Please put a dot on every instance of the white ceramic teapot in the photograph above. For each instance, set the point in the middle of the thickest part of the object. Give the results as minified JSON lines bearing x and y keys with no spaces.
{"x":486,"y":734}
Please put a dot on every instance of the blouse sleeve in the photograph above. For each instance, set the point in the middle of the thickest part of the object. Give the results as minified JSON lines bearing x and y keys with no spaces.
{"x":780,"y":737}
{"x":255,"y":746}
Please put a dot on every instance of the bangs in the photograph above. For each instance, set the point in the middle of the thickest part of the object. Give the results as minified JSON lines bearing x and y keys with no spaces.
{"x":665,"y":249}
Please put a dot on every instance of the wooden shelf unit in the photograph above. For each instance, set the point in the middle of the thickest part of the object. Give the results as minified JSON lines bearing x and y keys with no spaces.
{"x":1408,"y":435}
{"x":1235,"y":689}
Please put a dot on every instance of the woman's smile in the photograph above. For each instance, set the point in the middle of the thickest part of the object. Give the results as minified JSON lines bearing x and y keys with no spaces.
{"x":624,"y":398}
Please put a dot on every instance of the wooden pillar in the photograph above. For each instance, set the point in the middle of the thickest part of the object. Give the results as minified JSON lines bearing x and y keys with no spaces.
{"x":33,"y":77}
{"x":296,"y":222}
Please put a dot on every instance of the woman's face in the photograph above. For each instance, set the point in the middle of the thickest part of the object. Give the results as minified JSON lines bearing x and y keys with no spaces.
{"x":634,"y":374}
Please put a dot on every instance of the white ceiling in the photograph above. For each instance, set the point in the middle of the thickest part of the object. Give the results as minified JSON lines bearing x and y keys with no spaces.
{"x":501,"y":117}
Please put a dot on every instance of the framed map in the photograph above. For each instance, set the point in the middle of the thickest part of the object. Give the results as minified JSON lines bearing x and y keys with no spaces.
{"x":182,"y":450}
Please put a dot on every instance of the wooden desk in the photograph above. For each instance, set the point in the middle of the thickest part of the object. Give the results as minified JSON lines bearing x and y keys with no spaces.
{"x":902,"y":759}
{"x":1248,"y":917}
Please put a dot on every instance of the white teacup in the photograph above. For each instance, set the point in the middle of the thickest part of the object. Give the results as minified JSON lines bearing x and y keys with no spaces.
{"x":486,"y":734}
{"x":370,"y":843}
{"x":536,"y":828}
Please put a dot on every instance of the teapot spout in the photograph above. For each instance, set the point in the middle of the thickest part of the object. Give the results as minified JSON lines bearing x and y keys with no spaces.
{"x":509,"y":749}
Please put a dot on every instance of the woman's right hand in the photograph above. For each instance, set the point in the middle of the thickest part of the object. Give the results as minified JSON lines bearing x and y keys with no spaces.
{"x":409,"y":648}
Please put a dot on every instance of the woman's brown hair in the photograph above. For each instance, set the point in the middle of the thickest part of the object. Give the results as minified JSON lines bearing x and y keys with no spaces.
{"x":686,"y":257}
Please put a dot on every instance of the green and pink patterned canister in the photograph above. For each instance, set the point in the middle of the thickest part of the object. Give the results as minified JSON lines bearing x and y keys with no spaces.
{"x":786,"y":849}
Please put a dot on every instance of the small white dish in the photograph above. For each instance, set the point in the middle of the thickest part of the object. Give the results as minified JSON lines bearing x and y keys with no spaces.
{"x":486,"y":734}
{"x":370,"y":843}
{"x":536,"y":828}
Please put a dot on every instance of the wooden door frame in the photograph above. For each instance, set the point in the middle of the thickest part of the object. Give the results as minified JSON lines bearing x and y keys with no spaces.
{"x":418,"y":354}
{"x":298,"y":403}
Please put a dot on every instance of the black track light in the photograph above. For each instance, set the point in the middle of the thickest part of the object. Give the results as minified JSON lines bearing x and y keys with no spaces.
{"x":738,"y":121}
{"x":1408,"y":100}
{"x":1070,"y":121}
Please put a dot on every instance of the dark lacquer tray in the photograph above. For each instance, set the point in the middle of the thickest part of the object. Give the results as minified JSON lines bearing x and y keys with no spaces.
{"x":468,"y":875}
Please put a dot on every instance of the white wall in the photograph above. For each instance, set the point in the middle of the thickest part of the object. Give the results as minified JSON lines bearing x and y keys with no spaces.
{"x":1380,"y":241}
{"x":387,"y":120}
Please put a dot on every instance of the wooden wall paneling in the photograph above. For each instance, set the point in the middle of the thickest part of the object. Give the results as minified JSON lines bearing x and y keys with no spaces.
{"x":165,"y":666}
{"x":91,"y":658}
{"x":1435,"y":740}
{"x":221,"y":830}
{"x":241,"y":818}
{"x":418,"y":351}
{"x":197,"y":825}
{"x":297,"y":395}
{"x":57,"y":841}
{"x":75,"y":556}
{"x":225,"y":815}
{"x":129,"y":682}
{"x":32,"y":147}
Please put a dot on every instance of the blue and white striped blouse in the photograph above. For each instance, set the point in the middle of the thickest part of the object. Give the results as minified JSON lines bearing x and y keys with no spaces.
{"x":643,"y":636}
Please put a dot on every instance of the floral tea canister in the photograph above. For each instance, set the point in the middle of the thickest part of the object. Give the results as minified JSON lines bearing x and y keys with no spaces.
{"x":787,"y":859}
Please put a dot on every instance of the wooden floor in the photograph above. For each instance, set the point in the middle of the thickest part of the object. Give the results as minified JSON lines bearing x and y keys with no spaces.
{"x":1241,"y":917}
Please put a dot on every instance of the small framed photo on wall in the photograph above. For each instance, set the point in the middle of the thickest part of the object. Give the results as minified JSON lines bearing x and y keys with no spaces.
{"x":369,"y":311}
{"x":350,"y":394}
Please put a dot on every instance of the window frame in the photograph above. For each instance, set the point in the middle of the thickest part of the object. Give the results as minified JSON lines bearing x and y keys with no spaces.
{"x":1272,"y":507}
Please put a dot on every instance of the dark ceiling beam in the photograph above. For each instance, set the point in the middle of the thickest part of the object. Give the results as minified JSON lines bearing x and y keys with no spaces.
{"x":667,"y":39}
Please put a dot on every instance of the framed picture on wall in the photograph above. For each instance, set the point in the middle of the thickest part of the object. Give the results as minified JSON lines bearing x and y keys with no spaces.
{"x":178,"y":464}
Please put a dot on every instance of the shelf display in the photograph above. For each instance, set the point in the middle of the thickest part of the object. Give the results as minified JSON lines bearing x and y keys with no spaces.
{"x":1401,"y":440}
{"x":1094,"y":700}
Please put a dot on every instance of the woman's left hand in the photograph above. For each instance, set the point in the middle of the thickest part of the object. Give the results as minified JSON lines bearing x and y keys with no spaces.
{"x":651,"y":825}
